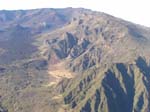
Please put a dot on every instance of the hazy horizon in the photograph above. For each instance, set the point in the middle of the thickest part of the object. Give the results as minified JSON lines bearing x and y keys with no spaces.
{"x":134,"y":11}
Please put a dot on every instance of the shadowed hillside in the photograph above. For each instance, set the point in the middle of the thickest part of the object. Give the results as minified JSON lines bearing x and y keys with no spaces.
{"x":72,"y":60}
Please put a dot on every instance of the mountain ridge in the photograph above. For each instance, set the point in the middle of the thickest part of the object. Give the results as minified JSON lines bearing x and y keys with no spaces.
{"x":73,"y":60}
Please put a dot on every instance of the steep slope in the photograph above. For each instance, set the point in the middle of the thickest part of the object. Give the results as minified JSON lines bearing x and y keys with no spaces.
{"x":73,"y":60}
{"x":121,"y":87}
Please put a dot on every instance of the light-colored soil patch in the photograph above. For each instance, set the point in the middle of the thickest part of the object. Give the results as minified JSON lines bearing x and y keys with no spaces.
{"x":50,"y":84}
{"x":61,"y":73}
{"x":58,"y":72}
{"x":58,"y":97}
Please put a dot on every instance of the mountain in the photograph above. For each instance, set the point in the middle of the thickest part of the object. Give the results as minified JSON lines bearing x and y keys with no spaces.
{"x":73,"y":60}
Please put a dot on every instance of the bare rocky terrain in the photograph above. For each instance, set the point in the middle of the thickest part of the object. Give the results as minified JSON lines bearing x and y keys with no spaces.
{"x":73,"y":60}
